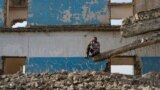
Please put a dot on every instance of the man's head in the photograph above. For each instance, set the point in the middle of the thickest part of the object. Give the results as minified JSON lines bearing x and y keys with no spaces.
{"x":95,"y":39}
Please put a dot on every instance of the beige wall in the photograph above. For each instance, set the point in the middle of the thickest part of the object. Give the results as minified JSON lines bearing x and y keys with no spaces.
{"x":121,"y":11}
{"x":122,"y":60}
{"x":143,"y":5}
{"x":17,"y":14}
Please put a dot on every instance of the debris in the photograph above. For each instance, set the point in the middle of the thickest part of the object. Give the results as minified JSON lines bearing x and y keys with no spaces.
{"x":85,"y":80}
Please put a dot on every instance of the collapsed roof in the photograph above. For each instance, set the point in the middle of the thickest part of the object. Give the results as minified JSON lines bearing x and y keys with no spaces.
{"x":141,"y":23}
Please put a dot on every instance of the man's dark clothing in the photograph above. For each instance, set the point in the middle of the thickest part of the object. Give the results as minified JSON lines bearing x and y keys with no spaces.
{"x":93,"y":48}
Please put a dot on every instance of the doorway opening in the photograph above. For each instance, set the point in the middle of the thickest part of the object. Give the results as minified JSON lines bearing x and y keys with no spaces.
{"x":12,"y":64}
{"x":129,"y":65}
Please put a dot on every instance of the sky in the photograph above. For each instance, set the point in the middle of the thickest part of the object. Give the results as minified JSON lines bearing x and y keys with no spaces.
{"x":20,"y":24}
{"x":116,"y":22}
{"x":121,"y":1}
{"x":122,"y":69}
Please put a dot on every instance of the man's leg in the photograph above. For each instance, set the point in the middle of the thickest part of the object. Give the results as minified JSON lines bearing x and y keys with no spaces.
{"x":96,"y":53}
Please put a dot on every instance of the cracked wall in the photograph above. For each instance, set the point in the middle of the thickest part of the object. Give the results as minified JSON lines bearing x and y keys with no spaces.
{"x":68,"y":12}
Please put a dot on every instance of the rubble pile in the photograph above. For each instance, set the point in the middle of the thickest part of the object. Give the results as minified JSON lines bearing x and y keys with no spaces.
{"x":79,"y":81}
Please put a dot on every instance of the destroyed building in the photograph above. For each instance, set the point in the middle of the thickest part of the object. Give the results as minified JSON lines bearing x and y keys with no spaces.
{"x":58,"y":31}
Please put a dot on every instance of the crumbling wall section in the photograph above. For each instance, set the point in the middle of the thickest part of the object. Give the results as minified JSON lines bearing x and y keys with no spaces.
{"x":68,"y":12}
{"x":144,"y":5}
{"x":142,"y":22}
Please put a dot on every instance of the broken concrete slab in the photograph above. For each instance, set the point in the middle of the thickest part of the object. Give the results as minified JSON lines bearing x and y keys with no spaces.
{"x":134,"y":45}
{"x":141,"y":23}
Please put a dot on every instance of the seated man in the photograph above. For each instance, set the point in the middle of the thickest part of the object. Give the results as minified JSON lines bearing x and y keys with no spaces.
{"x":93,"y":48}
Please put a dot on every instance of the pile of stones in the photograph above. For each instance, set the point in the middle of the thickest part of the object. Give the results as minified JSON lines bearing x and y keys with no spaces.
{"x":85,"y":80}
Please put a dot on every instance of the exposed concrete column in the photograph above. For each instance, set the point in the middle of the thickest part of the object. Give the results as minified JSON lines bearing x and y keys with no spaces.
{"x":7,"y":13}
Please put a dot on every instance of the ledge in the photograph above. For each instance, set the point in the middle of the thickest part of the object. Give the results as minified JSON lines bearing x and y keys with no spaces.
{"x":120,"y":4}
{"x":62,"y":28}
{"x":3,"y":57}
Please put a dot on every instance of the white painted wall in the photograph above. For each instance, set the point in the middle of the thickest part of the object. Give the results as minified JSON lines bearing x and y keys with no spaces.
{"x":64,"y":44}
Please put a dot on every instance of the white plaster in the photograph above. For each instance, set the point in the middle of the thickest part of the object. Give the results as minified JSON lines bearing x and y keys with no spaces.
{"x":84,"y":12}
{"x":93,"y":2}
{"x":30,"y":15}
{"x":102,"y":18}
{"x":90,"y":16}
{"x":67,"y":16}
{"x":77,"y":16}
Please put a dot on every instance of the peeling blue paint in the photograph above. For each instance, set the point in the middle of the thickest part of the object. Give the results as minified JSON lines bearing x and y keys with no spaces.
{"x":150,"y":64}
{"x":57,"y":64}
{"x":70,"y":64}
{"x":68,"y":12}
{"x":1,"y":13}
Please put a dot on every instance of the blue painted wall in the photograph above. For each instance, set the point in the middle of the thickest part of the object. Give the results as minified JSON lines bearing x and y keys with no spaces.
{"x":57,"y":64}
{"x":67,"y":12}
{"x":70,"y":64}
{"x":150,"y":64}
{"x":1,"y":13}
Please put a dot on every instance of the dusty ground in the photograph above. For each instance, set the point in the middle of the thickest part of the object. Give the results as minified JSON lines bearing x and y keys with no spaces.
{"x":80,"y":81}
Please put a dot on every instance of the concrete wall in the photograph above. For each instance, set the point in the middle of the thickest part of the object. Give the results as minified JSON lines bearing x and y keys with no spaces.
{"x":57,"y":44}
{"x":121,"y":11}
{"x":1,"y":13}
{"x":59,"y":51}
{"x":68,"y":12}
{"x":143,"y":5}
